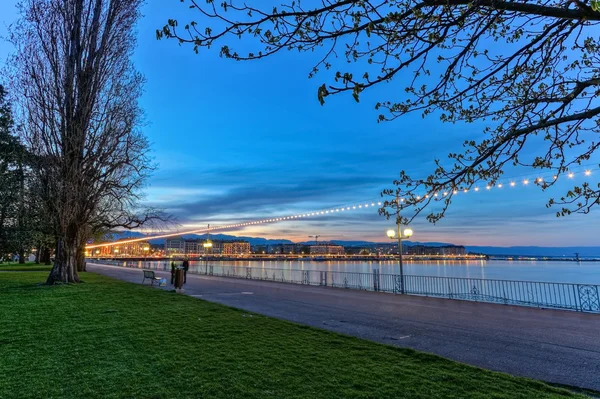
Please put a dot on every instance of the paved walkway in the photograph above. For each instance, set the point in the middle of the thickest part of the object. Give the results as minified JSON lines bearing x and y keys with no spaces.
{"x":551,"y":345}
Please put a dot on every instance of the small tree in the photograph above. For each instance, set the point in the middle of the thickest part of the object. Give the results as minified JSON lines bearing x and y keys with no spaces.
{"x":528,"y":71}
{"x":78,"y":97}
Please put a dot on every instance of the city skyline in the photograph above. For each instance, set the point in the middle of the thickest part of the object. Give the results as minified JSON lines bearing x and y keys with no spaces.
{"x":236,"y":142}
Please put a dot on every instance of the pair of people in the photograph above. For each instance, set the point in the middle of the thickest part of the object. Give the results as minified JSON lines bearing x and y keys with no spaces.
{"x":186,"y":265}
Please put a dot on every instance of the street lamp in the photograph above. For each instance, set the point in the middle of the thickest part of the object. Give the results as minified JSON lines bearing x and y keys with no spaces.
{"x":145,"y":249}
{"x":399,"y":236}
{"x":207,"y":247}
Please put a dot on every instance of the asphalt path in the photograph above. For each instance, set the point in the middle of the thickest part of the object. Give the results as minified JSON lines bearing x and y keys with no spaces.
{"x":551,"y":345}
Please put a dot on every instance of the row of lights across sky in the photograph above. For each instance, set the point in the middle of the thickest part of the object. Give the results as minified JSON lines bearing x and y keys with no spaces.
{"x":335,"y":210}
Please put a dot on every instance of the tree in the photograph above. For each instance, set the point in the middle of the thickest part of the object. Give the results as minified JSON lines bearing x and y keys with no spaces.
{"x":526,"y":71}
{"x":77,"y":92}
{"x":22,"y":222}
{"x":10,"y":149}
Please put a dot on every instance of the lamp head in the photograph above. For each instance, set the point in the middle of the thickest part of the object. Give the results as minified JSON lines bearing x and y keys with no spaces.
{"x":391,"y":233}
{"x":408,"y":232}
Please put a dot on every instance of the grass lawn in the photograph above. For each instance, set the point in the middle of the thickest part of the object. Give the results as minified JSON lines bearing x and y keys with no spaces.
{"x":110,"y":339}
{"x":29,"y":267}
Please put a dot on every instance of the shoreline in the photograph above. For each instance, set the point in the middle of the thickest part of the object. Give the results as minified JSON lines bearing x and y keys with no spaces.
{"x":406,"y":258}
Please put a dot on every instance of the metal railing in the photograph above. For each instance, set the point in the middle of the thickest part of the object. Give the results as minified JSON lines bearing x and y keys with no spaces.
{"x":577,"y":297}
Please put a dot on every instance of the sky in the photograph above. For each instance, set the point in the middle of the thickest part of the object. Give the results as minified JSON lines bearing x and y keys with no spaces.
{"x":245,"y":141}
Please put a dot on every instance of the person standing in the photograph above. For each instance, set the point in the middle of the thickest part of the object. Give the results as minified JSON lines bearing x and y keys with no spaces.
{"x":186,"y":266}
{"x":172,"y":273}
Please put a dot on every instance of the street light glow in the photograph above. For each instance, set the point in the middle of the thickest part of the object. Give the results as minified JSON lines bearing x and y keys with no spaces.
{"x":391,"y":233}
{"x":408,"y":232}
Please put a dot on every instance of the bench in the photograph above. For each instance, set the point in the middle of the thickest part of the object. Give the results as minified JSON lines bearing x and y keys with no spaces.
{"x":149,"y":274}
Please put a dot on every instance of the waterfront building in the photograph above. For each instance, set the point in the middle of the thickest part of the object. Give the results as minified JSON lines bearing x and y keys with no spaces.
{"x":174,"y":246}
{"x":326,"y":249}
{"x":236,"y":247}
{"x":423,"y":250}
{"x":292,"y":248}
{"x":136,"y":249}
{"x":193,"y":247}
{"x":260,"y":249}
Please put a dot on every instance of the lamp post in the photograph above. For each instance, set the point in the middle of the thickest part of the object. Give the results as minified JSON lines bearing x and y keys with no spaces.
{"x":399,"y":235}
{"x":207,"y":247}
{"x":145,"y":249}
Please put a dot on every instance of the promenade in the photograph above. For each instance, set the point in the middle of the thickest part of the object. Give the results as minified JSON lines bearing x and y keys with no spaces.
{"x":550,"y":345}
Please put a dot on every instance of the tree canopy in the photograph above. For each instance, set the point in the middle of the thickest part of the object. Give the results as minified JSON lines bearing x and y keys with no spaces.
{"x":527,"y":72}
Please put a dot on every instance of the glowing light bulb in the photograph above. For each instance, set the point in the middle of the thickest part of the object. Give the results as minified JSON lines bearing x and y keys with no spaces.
{"x":539,"y":180}
{"x":571,"y":175}
{"x":372,"y":204}
{"x":476,"y":188}
{"x":487,"y":187}
{"x":512,"y":183}
{"x":465,"y":190}
{"x":500,"y":185}
{"x":588,"y":172}
{"x":435,"y":195}
{"x":379,"y":203}
{"x":418,"y":197}
{"x":555,"y":177}
{"x":526,"y":182}
{"x":455,"y":192}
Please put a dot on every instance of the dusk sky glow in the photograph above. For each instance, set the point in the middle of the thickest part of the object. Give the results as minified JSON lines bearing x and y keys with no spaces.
{"x":246,"y":141}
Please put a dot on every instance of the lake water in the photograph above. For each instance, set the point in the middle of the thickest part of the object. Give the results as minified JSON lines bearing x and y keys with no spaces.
{"x":545,"y":271}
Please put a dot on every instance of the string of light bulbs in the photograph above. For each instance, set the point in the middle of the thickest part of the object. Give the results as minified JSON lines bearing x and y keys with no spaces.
{"x":511,"y":183}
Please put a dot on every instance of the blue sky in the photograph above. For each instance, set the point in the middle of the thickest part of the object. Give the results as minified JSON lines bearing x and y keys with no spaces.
{"x":243,"y":141}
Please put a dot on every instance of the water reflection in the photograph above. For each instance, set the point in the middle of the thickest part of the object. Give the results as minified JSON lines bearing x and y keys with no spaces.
{"x":550,"y":271}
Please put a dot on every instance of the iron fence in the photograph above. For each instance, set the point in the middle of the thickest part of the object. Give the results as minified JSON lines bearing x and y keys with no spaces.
{"x":577,"y":297}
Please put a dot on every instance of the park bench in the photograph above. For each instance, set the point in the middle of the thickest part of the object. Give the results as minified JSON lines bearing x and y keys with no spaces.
{"x":149,"y":274}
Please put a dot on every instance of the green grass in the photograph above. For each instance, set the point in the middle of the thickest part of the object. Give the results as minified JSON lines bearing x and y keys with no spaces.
{"x":26,"y":267}
{"x":110,"y":339}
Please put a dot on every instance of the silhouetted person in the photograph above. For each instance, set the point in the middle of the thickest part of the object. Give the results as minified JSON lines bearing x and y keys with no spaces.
{"x":172,"y":273}
{"x":186,"y":266}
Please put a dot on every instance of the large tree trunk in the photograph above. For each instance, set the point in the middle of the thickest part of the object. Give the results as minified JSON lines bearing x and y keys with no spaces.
{"x":65,"y":263}
{"x":21,"y":256}
{"x":46,"y":255}
{"x":81,"y":258}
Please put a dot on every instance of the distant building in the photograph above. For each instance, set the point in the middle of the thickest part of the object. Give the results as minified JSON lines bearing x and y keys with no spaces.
{"x":236,"y":247}
{"x":289,"y":249}
{"x":174,"y":246}
{"x":194,"y":247}
{"x":326,"y":249}
{"x":447,"y":250}
{"x":259,"y":249}
{"x":139,"y":248}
